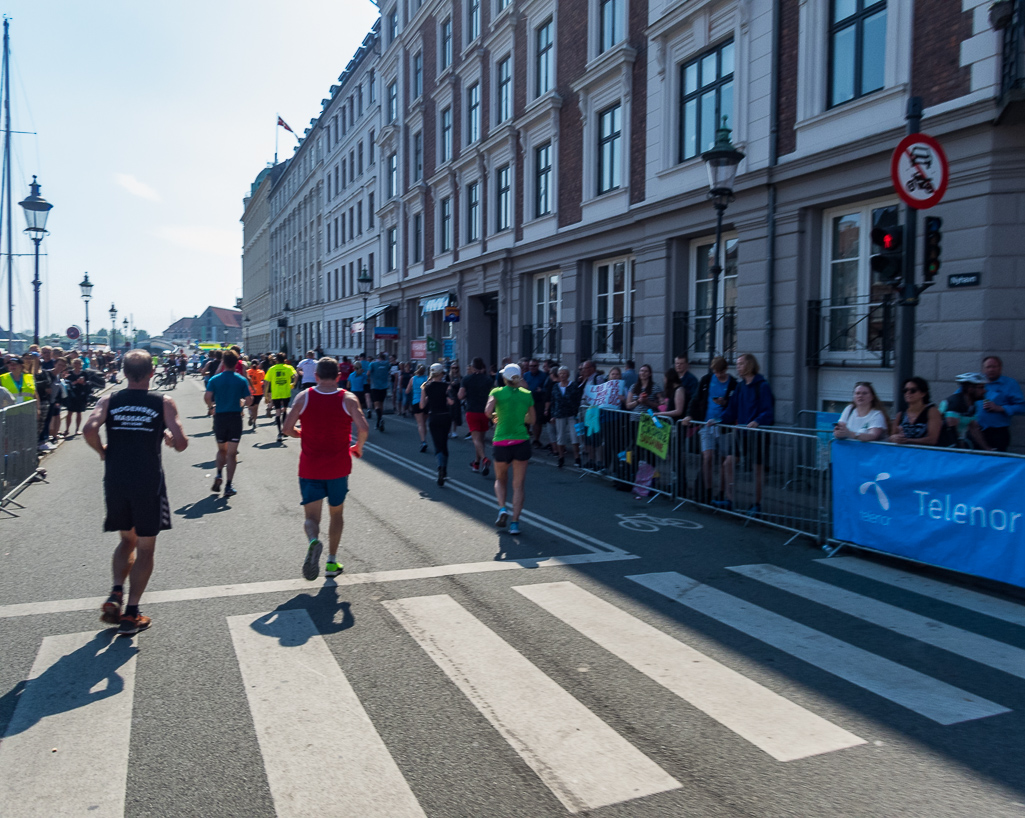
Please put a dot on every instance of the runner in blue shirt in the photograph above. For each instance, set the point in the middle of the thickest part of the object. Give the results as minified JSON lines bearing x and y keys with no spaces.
{"x":379,"y":374}
{"x":226,"y":393}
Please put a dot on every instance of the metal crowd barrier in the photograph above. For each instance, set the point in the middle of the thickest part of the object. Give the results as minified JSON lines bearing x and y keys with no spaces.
{"x":19,"y":438}
{"x":775,"y":476}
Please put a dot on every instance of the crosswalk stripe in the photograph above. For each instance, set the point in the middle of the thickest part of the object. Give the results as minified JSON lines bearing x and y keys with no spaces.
{"x":1005,"y":609}
{"x":66,"y":747}
{"x":584,"y":762}
{"x":922,"y":694}
{"x":972,"y":646}
{"x":291,"y":679}
{"x":772,"y":723}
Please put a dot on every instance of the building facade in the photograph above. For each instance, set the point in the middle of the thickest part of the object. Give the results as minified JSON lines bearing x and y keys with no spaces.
{"x":217,"y":325}
{"x":539,"y":168}
{"x":259,"y":329}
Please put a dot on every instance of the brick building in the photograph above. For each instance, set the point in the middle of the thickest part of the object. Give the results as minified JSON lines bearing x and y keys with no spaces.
{"x":539,"y":167}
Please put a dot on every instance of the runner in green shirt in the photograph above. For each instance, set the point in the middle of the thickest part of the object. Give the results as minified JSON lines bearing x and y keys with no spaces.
{"x":280,"y":377}
{"x":511,"y":407}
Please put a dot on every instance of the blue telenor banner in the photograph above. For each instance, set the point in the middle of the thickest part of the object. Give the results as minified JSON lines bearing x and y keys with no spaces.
{"x":945,"y":508}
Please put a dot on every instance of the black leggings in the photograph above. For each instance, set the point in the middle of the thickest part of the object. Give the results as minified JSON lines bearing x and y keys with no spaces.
{"x":439,"y":423}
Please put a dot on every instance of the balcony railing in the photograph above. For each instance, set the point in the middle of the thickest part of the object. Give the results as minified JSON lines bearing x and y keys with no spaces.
{"x":539,"y":341}
{"x":691,"y":333}
{"x":1012,"y":69}
{"x":850,"y":332}
{"x":606,"y":340}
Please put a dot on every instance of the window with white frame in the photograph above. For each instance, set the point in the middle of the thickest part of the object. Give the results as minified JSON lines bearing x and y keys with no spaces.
{"x":393,"y":25}
{"x":445,"y":226}
{"x":418,"y":237}
{"x":446,"y":43}
{"x":421,"y":323}
{"x":370,"y":209}
{"x":613,"y":307}
{"x":472,"y":20}
{"x":446,"y":135}
{"x":392,"y":246}
{"x":543,"y":180}
{"x":706,"y":97}
{"x":610,"y":148}
{"x":503,"y":106}
{"x":393,"y":101}
{"x":547,"y":315}
{"x":371,"y":92}
{"x":853,"y":318}
{"x":359,"y":100}
{"x":473,"y":113}
{"x":393,"y":175}
{"x":418,"y":74}
{"x":724,"y":340}
{"x":473,"y":211}
{"x":502,"y":5}
{"x":544,"y":79}
{"x":503,"y":200}
{"x":418,"y":156}
{"x":857,"y":49}
{"x":611,"y":23}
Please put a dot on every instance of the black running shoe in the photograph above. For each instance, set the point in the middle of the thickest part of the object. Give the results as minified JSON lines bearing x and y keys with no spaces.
{"x":131,"y":625}
{"x":112,"y":608}
{"x":311,"y":565}
{"x":216,"y":487}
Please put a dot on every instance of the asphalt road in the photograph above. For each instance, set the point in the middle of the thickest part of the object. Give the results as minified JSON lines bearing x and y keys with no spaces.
{"x":695,"y":668}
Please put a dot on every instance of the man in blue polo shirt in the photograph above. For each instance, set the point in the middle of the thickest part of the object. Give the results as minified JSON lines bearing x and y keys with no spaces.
{"x":226,"y":393}
{"x":1003,"y":400}
{"x":380,"y":379}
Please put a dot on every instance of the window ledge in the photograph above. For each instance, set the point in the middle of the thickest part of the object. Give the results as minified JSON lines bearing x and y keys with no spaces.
{"x":617,"y":57}
{"x":854,"y":105}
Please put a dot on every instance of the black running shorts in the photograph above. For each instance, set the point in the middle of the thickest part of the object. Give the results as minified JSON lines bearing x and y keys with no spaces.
{"x":147,"y":511}
{"x":228,"y":427}
{"x":507,"y":454}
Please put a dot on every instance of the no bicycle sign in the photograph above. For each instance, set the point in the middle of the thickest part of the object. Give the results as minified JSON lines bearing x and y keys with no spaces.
{"x":920,"y":171}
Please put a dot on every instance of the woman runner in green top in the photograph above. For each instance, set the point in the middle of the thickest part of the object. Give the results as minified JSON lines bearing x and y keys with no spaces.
{"x":511,"y":407}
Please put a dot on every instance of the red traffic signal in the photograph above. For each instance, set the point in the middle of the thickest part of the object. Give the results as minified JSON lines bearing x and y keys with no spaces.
{"x":888,"y":263}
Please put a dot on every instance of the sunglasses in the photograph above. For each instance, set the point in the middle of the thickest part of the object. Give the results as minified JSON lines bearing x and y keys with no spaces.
{"x":910,"y":390}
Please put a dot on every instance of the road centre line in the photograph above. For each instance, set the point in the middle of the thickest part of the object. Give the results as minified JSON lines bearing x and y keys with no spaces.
{"x":290,"y":676}
{"x":581,"y":759}
{"x":286,"y":585}
{"x":774,"y":724}
{"x":66,"y":747}
{"x":575,"y":537}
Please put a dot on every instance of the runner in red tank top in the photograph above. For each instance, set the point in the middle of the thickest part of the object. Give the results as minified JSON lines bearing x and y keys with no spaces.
{"x":325,"y":416}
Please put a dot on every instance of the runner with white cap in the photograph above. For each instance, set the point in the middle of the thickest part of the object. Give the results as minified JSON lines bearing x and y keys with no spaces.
{"x":511,"y":407}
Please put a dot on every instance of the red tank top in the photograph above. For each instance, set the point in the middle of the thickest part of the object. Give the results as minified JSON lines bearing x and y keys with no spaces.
{"x":326,"y":436}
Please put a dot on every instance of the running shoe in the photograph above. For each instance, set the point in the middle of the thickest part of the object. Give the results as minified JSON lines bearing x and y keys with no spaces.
{"x":216,"y":487}
{"x":485,"y":467}
{"x":441,"y":475}
{"x":332,"y":568}
{"x":112,"y":608}
{"x":727,"y":505}
{"x":380,"y":425}
{"x":423,"y":447}
{"x":755,"y":510}
{"x":131,"y":625}
{"x":514,"y":527}
{"x":562,"y":462}
{"x":503,"y":517}
{"x":229,"y":490}
{"x":474,"y":466}
{"x":311,"y":565}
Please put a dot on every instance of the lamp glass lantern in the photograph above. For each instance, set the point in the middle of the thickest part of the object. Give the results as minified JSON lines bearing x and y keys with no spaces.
{"x":365,"y":281}
{"x":37,"y":209}
{"x":113,"y":312}
{"x":721,"y":161}
{"x":87,"y":288}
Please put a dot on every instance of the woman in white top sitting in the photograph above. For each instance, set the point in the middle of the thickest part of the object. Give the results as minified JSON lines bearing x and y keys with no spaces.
{"x":865,"y":419}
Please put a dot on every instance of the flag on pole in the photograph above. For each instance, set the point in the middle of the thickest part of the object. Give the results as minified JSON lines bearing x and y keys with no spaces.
{"x":283,"y":124}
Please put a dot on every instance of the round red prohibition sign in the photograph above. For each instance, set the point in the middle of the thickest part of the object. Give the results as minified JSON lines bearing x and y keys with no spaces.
{"x":920,"y":171}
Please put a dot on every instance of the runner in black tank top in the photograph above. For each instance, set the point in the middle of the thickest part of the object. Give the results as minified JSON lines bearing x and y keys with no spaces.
{"x":136,"y":423}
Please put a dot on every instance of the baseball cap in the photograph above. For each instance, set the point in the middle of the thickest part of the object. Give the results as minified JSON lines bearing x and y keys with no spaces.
{"x":436,"y":368}
{"x":511,"y":371}
{"x":970,"y":377}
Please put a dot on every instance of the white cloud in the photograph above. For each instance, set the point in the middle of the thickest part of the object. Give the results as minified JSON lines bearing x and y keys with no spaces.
{"x":135,"y":187}
{"x":211,"y":240}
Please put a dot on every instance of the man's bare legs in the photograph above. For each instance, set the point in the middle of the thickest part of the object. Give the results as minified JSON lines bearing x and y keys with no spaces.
{"x":133,"y":563}
{"x":227,"y":457}
{"x":336,"y":524}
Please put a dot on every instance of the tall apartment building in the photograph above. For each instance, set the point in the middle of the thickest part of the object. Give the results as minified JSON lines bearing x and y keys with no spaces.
{"x":259,"y":330}
{"x":540,"y":168}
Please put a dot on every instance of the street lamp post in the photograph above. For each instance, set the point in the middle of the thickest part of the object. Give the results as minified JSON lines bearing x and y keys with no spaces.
{"x":87,"y":293}
{"x":286,"y":311}
{"x":365,"y":282}
{"x":36,"y":210}
{"x":113,"y":325}
{"x":721,"y":161}
{"x":124,"y":332}
{"x":245,"y":340}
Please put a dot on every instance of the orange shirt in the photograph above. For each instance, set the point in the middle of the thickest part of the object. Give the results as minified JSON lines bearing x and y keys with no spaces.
{"x":256,"y":377}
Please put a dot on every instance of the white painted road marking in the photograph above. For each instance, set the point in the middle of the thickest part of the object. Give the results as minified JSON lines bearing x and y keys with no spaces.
{"x":582,"y":760}
{"x":66,"y":748}
{"x":317,"y":762}
{"x":288,"y":585}
{"x":772,"y":723}
{"x":972,"y":646}
{"x":1005,"y":609}
{"x":922,"y":694}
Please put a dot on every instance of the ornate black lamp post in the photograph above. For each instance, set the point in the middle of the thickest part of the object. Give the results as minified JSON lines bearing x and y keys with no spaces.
{"x":365,"y":282}
{"x":36,"y":211}
{"x":87,"y":293}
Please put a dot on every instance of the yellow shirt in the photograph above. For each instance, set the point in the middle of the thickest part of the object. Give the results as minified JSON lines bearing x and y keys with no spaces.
{"x":280,"y":378}
{"x":27,"y":391}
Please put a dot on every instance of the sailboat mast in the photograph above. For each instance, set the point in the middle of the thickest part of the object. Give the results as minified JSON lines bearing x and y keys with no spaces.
{"x":7,"y":180}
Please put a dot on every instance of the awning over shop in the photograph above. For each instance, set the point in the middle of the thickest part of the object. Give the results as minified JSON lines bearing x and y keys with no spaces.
{"x":373,"y":312}
{"x":434,"y":303}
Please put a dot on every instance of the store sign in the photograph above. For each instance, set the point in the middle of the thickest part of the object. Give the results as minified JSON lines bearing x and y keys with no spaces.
{"x":452,"y":314}
{"x":964,"y":280}
{"x":418,"y":350}
{"x":386,"y":332}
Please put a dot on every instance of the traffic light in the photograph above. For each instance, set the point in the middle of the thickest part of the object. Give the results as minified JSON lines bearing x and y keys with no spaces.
{"x":888,"y":263}
{"x":933,"y":248}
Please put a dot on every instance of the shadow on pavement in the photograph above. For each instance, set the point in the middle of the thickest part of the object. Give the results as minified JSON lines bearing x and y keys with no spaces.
{"x":322,"y":607}
{"x":208,"y":505}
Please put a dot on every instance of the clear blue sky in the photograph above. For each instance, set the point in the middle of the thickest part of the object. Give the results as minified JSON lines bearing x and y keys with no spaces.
{"x":153,"y":119}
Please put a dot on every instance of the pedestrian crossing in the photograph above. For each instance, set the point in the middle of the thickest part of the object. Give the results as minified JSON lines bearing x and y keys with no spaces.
{"x":81,"y":690}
